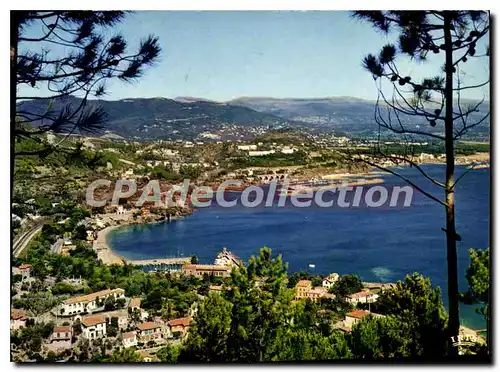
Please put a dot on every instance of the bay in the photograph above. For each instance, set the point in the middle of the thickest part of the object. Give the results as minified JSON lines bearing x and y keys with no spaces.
{"x":379,"y":244}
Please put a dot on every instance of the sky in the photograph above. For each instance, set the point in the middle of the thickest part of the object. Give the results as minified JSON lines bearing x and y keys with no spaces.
{"x":225,"y":55}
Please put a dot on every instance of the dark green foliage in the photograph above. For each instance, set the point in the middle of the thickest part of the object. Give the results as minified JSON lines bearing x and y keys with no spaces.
{"x":418,"y":308}
{"x":347,"y":285}
{"x":169,"y":354}
{"x":31,"y":337}
{"x":478,"y":279}
{"x":254,"y":320}
{"x":89,"y":63}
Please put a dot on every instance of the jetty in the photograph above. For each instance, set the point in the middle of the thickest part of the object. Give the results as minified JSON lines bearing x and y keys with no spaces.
{"x":161,"y":263}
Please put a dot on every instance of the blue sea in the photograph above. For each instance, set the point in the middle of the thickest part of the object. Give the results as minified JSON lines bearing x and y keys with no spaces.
{"x":379,"y":244}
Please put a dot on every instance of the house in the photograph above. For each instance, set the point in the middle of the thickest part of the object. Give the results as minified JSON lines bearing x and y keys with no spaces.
{"x":150,"y":331}
{"x":381,"y":287}
{"x":89,"y":302}
{"x":94,"y":327}
{"x":355,"y":316}
{"x":247,"y":147}
{"x":18,"y":319}
{"x":180,"y":325}
{"x":303,"y":287}
{"x":215,"y":288}
{"x":261,"y":153}
{"x":330,"y":280}
{"x":24,"y":270}
{"x":316,"y":293}
{"x":120,"y":315}
{"x":129,"y":339}
{"x":211,"y":270}
{"x":61,"y":337}
{"x":287,"y":150}
{"x":135,"y":305}
{"x":363,"y":297}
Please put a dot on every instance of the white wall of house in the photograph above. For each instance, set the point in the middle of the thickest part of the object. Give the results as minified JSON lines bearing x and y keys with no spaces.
{"x":88,"y":306}
{"x":95,"y":331}
{"x":17,"y":323}
{"x":371,"y":298}
{"x":350,"y":321}
{"x":129,"y":342}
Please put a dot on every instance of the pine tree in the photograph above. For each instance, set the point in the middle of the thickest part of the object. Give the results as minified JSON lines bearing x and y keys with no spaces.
{"x":436,"y":101}
{"x":70,"y":57}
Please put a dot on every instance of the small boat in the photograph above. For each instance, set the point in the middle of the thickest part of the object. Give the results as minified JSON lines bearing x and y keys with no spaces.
{"x":312,"y":266}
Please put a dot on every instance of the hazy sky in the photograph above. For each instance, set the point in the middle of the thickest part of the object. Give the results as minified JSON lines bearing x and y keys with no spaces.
{"x":224,"y":55}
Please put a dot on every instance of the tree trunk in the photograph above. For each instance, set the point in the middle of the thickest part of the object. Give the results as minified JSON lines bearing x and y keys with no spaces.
{"x":451,"y":236}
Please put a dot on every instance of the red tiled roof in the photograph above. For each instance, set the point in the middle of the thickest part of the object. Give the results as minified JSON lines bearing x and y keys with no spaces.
{"x":180,"y":322}
{"x":18,"y":314}
{"x":62,"y":329}
{"x":135,"y":302}
{"x":148,"y":325}
{"x":358,"y":314}
{"x":25,"y":266}
{"x":360,"y":294}
{"x":92,"y":296}
{"x":92,"y":320}
{"x":128,"y":335}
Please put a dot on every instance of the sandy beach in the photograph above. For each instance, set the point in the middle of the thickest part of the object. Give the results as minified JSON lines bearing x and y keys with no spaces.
{"x":104,"y":252}
{"x":345,"y":182}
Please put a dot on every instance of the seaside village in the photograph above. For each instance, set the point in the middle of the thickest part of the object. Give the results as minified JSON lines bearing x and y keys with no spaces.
{"x":112,"y":316}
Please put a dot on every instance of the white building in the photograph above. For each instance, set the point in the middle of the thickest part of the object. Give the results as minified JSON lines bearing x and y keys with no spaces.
{"x":129,"y":339}
{"x":24,"y":270}
{"x":287,"y":150}
{"x":90,"y":302}
{"x":135,"y":305}
{"x":363,"y":297}
{"x":261,"y":153}
{"x":247,"y":147}
{"x":330,"y":280}
{"x":356,"y":316}
{"x":18,"y":319}
{"x":94,"y":327}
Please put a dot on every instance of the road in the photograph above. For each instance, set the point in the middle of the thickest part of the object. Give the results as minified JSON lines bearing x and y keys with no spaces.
{"x":56,"y":247}
{"x":23,"y":239}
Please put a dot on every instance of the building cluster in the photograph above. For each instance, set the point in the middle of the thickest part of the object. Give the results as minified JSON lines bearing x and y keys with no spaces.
{"x":305,"y":290}
{"x":83,"y":317}
{"x":90,"y":302}
{"x":258,"y":150}
{"x":222,"y":266}
{"x":199,"y":270}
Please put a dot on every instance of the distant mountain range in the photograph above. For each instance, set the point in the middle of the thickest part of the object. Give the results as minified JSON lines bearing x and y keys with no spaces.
{"x":189,"y":117}
{"x":155,"y":118}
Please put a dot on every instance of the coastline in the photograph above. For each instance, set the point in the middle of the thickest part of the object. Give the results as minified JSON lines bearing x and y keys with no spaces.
{"x":108,"y":257}
{"x":104,"y":251}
